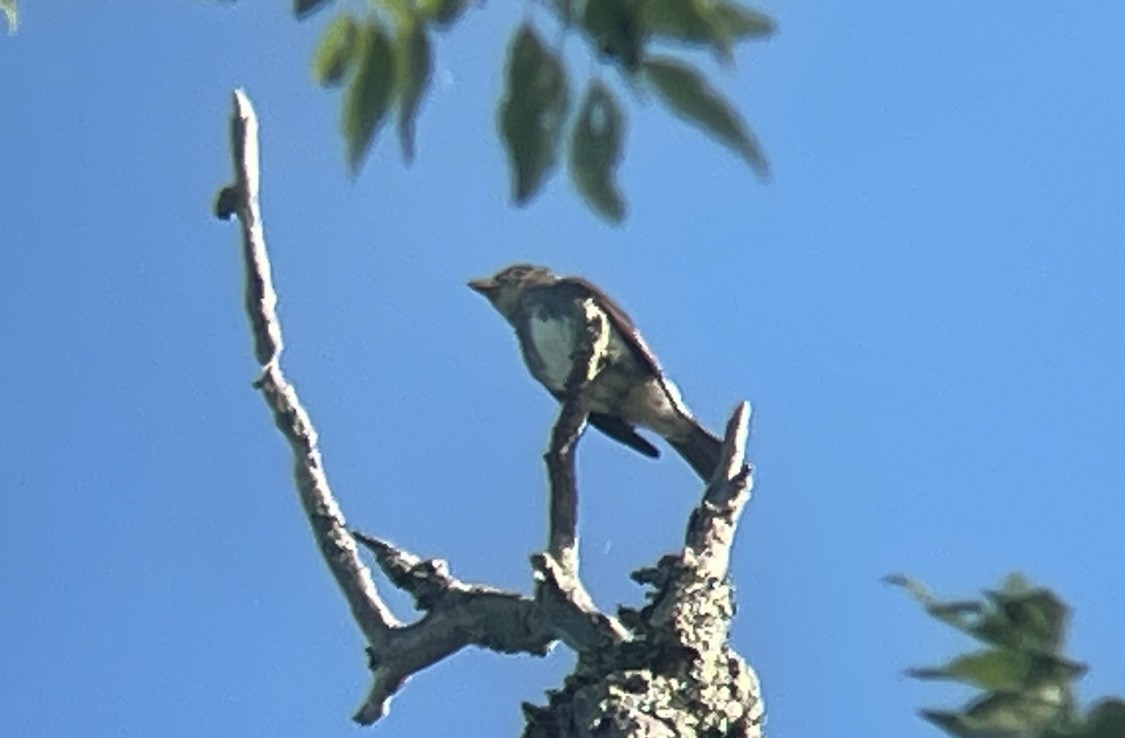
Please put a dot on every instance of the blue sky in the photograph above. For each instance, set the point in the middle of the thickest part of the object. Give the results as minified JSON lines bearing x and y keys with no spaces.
{"x":924,"y":308}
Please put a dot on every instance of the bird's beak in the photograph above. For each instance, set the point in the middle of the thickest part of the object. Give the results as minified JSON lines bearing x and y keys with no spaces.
{"x":485,"y":286}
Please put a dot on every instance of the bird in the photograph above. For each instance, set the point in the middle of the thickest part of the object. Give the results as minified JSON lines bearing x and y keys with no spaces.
{"x":630,"y":389}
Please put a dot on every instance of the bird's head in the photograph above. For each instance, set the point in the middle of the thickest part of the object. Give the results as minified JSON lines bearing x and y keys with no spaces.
{"x":504,"y":288}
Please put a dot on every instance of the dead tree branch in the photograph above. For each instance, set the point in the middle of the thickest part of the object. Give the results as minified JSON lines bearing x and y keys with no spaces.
{"x":563,"y":538}
{"x":559,"y":586}
{"x":676,"y":674}
{"x":325,"y":517}
{"x":666,"y":669}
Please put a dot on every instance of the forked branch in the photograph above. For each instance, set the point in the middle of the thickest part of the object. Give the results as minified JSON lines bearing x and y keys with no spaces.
{"x":690,"y":608}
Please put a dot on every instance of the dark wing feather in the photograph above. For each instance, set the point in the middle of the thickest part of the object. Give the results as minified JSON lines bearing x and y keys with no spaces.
{"x":619,"y":430}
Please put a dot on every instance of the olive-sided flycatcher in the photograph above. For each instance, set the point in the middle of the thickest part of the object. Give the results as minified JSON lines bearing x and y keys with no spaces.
{"x":629,"y":390}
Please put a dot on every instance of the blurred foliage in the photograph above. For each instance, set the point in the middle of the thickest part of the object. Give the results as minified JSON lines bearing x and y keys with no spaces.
{"x":384,"y":62}
{"x":686,"y":92}
{"x":11,"y":13}
{"x":1026,"y":683}
{"x":595,"y":150}
{"x":336,"y":53}
{"x":532,"y":111}
{"x":371,"y":91}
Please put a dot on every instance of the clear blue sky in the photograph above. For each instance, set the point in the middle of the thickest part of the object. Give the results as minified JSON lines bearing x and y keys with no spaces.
{"x":925,"y":309}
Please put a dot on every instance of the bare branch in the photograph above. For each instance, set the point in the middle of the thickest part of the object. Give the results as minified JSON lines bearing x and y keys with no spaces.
{"x":677,"y":675}
{"x":562,"y":541}
{"x":732,"y":472}
{"x":674,"y":650}
{"x":712,"y":525}
{"x":457,"y":615}
{"x":695,"y":603}
{"x":559,"y":589}
{"x":325,"y":517}
{"x":577,"y":622}
{"x":261,"y":300}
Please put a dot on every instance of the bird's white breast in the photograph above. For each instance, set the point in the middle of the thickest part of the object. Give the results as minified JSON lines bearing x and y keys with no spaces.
{"x":554,"y":341}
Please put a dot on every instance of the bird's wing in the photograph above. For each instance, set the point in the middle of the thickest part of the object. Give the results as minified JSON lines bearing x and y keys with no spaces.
{"x":619,"y":430}
{"x":620,"y":319}
{"x":632,"y":337}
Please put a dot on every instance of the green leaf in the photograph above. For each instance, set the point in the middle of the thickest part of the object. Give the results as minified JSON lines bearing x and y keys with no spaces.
{"x":11,"y":13}
{"x":1026,"y":616}
{"x":686,"y":21}
{"x":304,"y":8}
{"x":400,"y":11}
{"x":913,"y":587}
{"x":1107,"y":720}
{"x":687,"y":93}
{"x":617,"y":30}
{"x":992,"y":669}
{"x":532,"y":110}
{"x":369,"y":94}
{"x":1037,"y":708}
{"x":740,"y":22}
{"x":1022,"y":713}
{"x":442,"y":13}
{"x":595,"y":151}
{"x":337,"y":51}
{"x":415,"y":59}
{"x":705,"y":23}
{"x":1018,"y":616}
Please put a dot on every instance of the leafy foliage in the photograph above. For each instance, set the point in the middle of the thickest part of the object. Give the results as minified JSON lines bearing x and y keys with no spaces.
{"x":11,"y":13}
{"x":336,"y":54}
{"x":415,"y":60}
{"x":740,"y":23}
{"x":1026,"y":681}
{"x":686,"y":91}
{"x":370,"y":93}
{"x":383,"y":69}
{"x":616,"y":29}
{"x":595,"y":151}
{"x":534,"y":108}
{"x":304,"y":8}
{"x":442,"y":13}
{"x":532,"y":111}
{"x":718,"y":25}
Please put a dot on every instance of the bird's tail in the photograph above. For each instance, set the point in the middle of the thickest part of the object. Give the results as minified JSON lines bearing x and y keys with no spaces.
{"x":700,"y":449}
